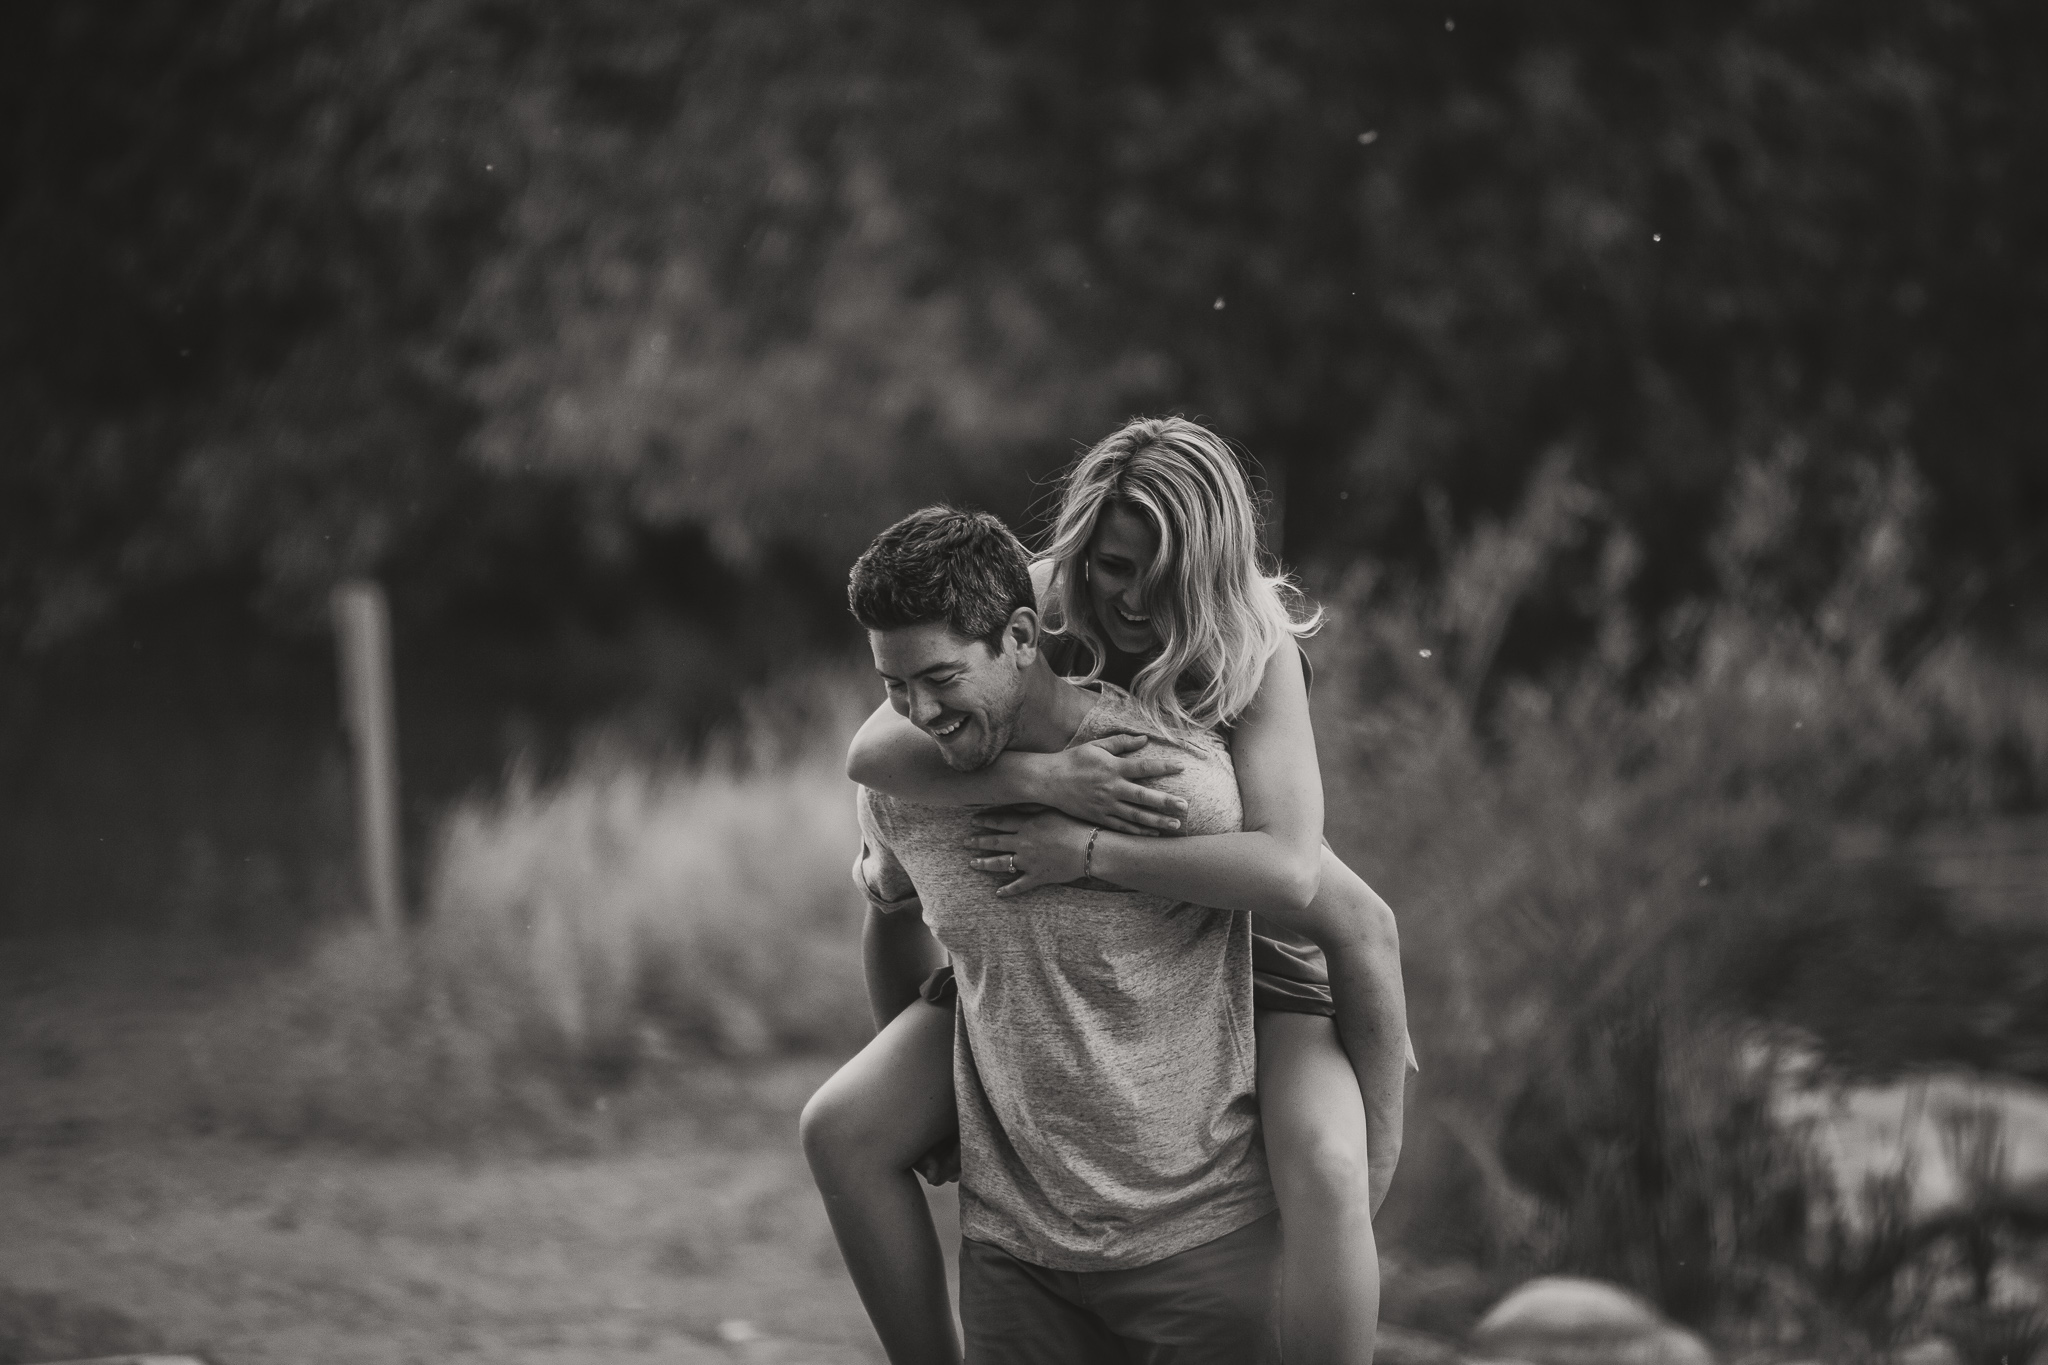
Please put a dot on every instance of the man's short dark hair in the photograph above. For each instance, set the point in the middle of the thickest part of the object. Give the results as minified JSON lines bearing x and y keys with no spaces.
{"x":942,"y":564}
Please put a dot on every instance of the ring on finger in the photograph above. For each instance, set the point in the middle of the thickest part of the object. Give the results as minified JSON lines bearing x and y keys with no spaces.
{"x":1013,"y":864}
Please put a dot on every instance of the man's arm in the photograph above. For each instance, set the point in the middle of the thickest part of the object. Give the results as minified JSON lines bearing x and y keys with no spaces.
{"x":898,"y":953}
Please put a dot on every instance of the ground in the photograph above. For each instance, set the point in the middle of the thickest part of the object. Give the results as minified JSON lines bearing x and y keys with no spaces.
{"x":697,"y":1237}
{"x":690,"y":1234}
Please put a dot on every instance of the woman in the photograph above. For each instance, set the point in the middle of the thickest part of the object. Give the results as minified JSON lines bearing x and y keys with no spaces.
{"x":1152,"y":580}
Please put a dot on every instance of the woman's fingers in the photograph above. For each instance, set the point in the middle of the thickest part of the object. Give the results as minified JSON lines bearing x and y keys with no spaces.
{"x":1131,"y":794}
{"x":1145,"y":769}
{"x":1002,"y":865}
{"x":1147,"y":821}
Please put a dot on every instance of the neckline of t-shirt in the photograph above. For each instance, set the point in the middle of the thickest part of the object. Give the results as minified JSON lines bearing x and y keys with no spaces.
{"x":1102,"y":688}
{"x":1074,"y":740}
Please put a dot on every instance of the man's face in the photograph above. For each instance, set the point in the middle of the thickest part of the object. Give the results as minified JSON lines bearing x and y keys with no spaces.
{"x":959,"y":691}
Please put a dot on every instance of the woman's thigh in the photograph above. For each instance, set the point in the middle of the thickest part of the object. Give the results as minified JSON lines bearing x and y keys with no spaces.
{"x":894,"y":1099}
{"x":1309,"y":1103}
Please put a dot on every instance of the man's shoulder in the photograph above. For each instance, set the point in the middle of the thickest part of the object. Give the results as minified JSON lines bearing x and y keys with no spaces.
{"x":880,"y":813}
{"x":1117,"y":712}
{"x":1207,"y":780}
{"x":899,"y":821}
{"x":1042,"y":571}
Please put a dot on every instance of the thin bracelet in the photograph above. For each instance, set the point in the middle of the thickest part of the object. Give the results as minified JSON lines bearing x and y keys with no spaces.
{"x":1088,"y":858}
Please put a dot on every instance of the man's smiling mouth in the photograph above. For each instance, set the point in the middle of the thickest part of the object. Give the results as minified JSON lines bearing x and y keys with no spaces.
{"x":948,"y":731}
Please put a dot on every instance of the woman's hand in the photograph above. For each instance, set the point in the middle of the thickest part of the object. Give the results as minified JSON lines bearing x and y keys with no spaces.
{"x":1098,"y":782}
{"x":1043,"y":849}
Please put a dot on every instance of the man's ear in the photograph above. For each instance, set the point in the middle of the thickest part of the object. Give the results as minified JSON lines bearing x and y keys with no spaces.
{"x":1023,"y":632}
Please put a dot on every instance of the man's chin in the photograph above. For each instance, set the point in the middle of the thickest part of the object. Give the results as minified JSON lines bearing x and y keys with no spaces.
{"x":967,"y":758}
{"x":971,"y":748}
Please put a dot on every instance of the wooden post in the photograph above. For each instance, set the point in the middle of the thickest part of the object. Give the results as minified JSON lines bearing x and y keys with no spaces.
{"x":362,"y":633}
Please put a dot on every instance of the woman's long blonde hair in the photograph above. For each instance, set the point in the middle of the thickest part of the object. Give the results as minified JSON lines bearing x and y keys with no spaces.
{"x":1219,"y":605}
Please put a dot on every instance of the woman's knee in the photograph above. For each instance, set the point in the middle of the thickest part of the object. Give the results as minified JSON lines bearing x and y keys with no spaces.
{"x":839,"y":1129}
{"x":1316,"y":1136}
{"x":1324,"y":1170}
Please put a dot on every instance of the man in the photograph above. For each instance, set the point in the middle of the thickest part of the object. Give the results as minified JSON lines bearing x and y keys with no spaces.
{"x":1114,"y":1198}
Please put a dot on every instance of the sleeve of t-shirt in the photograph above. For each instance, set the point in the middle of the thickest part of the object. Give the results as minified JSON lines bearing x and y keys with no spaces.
{"x":876,"y":871}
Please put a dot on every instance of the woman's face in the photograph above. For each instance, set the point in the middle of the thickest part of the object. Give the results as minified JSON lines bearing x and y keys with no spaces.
{"x":1119,"y":552}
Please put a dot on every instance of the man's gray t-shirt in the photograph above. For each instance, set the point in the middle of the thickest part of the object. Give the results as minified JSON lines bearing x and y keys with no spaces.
{"x":1103,"y":1055}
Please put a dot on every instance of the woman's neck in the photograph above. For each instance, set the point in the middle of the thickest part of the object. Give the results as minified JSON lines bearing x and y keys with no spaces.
{"x":1120,"y":668}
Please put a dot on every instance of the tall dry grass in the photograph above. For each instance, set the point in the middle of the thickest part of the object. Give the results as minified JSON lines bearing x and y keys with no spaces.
{"x":1622,"y":887}
{"x":574,"y":934}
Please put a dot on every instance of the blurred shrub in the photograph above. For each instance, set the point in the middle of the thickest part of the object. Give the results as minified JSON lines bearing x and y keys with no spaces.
{"x":1621,"y":885}
{"x":574,"y":934}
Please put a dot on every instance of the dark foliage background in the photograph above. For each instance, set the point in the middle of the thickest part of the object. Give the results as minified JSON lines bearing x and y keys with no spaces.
{"x":606,"y":333}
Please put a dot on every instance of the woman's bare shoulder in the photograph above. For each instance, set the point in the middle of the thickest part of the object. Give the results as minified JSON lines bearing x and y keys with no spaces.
{"x":1041,"y":580}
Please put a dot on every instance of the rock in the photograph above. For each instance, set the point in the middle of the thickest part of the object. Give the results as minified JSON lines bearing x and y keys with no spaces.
{"x":1563,"y":1321}
{"x":1444,"y":1300}
{"x":1558,"y":1305}
{"x":1404,"y":1346}
{"x":1933,"y":1351}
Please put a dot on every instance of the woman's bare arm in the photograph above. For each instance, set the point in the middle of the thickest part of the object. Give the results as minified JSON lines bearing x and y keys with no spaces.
{"x":891,"y":755}
{"x":1099,"y":782}
{"x":1272,"y":867}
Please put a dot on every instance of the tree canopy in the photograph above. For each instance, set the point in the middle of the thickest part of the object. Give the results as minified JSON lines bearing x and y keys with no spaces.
{"x":317,"y":287}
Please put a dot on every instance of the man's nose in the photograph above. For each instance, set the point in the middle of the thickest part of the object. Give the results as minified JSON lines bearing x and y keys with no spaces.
{"x":924,"y":707}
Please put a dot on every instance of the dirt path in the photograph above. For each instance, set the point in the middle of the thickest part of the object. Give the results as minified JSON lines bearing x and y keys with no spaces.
{"x":688,"y":1253}
{"x":699,"y":1239}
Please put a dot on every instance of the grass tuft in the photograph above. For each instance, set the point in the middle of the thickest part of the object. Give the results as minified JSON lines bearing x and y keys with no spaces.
{"x":574,"y":936}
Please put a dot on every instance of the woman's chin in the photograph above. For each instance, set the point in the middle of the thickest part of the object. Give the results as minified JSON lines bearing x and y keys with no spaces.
{"x":1129,"y":640}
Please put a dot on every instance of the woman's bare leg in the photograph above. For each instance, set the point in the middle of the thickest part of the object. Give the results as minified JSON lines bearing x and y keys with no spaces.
{"x":1358,"y":934}
{"x":862,"y":1133}
{"x":1314,"y":1121}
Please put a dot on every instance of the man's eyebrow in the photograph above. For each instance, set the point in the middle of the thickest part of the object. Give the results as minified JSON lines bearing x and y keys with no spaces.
{"x":942,"y":666}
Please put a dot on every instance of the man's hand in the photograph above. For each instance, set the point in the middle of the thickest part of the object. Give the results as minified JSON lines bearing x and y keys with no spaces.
{"x":1098,"y":783}
{"x":1044,"y":849}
